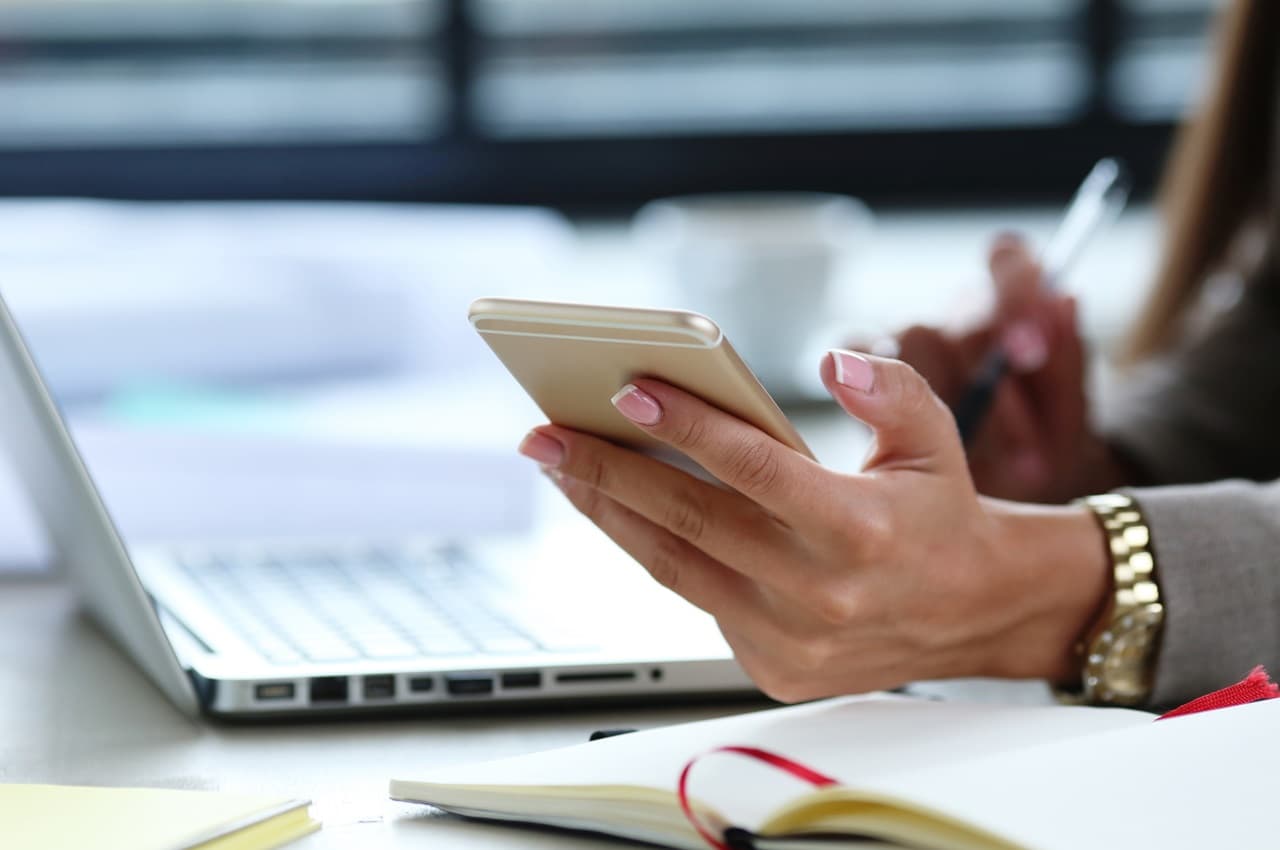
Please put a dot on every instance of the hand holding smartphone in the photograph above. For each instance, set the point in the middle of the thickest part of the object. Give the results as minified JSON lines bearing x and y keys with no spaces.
{"x":572,"y":358}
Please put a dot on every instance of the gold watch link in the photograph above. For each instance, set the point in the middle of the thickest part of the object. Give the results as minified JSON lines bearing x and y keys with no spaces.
{"x":1119,"y":652}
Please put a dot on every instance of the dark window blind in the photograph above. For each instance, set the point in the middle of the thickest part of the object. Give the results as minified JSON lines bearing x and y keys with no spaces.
{"x":606,"y":102}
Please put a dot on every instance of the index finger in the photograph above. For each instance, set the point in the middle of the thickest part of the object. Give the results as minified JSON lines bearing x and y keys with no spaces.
{"x":1016,"y":276}
{"x":773,"y":475}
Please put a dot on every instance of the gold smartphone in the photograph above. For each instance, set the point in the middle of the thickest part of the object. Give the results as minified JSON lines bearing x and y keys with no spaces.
{"x":572,"y":358}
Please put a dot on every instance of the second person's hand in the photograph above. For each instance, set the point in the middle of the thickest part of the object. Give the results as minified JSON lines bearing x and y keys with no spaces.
{"x":1036,"y":438}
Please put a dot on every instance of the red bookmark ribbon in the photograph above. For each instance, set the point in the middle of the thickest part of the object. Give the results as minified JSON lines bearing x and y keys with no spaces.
{"x":1255,"y":687}
{"x":786,"y":765}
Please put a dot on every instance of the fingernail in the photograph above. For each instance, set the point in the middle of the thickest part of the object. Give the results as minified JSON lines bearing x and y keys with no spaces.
{"x":547,"y":451}
{"x":1008,"y":250}
{"x":1025,"y":344}
{"x":637,"y":405}
{"x":1007,"y":240}
{"x":853,"y":370}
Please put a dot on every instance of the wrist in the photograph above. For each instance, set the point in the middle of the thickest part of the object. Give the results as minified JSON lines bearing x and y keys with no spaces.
{"x":1055,"y":563}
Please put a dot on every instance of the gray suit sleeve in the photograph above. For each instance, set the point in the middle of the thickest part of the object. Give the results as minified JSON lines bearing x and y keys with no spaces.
{"x":1210,"y":412}
{"x":1217,"y":549}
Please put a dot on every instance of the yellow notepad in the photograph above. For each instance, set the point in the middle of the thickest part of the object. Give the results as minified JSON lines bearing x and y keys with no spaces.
{"x":56,"y":817}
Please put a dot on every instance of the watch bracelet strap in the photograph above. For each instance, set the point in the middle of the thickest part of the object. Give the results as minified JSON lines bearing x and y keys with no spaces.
{"x":1134,"y":591}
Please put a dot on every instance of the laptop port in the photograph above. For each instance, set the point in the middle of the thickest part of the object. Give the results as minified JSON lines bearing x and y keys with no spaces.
{"x":422,"y":684}
{"x":329,"y":689}
{"x":526,"y":679}
{"x":379,"y":687}
{"x":468,"y":684}
{"x":272,"y":691}
{"x":597,"y":676}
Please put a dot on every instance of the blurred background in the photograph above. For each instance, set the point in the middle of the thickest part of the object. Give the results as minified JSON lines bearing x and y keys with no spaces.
{"x":606,"y":103}
{"x":241,"y":235}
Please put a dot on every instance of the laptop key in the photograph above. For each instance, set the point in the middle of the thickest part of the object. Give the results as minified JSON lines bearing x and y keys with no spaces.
{"x":445,"y":645}
{"x":507,"y":645}
{"x":328,"y":650}
{"x":390,"y":648}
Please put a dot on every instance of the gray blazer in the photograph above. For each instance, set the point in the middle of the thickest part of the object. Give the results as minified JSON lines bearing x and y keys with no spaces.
{"x":1210,"y":412}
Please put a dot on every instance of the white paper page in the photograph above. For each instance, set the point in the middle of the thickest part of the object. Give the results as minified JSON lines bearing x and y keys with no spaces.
{"x":1189,"y":783}
{"x":854,"y":738}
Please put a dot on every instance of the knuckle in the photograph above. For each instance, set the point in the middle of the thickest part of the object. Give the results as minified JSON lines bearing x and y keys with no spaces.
{"x":685,"y":517}
{"x":810,"y":656}
{"x":784,"y":687}
{"x":864,"y":530}
{"x":836,"y":606}
{"x":688,"y":433}
{"x":593,"y":471}
{"x":589,"y":502}
{"x":665,"y":564}
{"x":754,"y":467}
{"x":911,"y":388}
{"x":913,"y":395}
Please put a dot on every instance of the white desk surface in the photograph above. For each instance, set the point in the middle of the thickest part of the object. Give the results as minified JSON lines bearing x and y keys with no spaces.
{"x":74,"y":710}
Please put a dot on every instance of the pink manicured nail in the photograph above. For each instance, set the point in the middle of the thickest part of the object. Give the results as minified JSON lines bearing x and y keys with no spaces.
{"x":545,"y":450}
{"x":853,"y":371}
{"x":637,"y":405}
{"x":1026,"y":346}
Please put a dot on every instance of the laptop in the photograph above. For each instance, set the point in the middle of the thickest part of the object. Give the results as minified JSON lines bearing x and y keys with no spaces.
{"x":265,"y":628}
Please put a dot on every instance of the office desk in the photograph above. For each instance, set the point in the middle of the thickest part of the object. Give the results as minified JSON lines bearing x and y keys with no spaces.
{"x":74,"y":710}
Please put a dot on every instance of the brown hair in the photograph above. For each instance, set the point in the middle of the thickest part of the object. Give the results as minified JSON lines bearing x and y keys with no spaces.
{"x":1220,"y":173}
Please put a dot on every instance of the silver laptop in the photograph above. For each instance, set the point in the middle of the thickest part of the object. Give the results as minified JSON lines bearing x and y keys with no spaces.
{"x":304,"y":627}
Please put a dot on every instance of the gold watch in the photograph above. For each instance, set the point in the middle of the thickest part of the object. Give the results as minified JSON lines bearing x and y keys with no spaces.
{"x":1119,"y":652}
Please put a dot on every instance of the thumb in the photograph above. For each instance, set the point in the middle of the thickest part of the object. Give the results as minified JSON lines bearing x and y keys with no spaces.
{"x":912,"y":426}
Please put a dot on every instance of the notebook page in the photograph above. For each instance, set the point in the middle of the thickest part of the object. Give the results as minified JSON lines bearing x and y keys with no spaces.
{"x":1188,"y":783}
{"x":854,"y":738}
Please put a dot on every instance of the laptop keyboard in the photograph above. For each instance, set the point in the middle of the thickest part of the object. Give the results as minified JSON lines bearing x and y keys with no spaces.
{"x":300,"y":606}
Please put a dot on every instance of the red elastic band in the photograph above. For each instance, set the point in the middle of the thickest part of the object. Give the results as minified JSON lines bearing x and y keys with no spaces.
{"x":786,"y":765}
{"x":1255,"y":687}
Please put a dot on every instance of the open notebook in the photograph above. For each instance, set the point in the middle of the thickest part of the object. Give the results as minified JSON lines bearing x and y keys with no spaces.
{"x":908,"y":773}
{"x":57,"y":817}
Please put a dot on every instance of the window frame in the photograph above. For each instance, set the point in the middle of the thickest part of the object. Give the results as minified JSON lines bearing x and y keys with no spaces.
{"x":946,"y":166}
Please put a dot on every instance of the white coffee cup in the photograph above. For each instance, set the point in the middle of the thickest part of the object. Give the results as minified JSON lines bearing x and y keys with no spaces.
{"x":761,"y":265}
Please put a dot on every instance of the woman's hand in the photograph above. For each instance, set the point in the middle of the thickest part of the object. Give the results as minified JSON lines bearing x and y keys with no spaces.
{"x":1036,"y":439}
{"x":825,"y":583}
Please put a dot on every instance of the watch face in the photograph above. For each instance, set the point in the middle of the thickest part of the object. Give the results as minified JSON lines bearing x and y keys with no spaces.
{"x":1127,"y":670}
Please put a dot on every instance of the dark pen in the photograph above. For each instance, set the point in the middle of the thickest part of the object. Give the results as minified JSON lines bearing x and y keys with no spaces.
{"x":1097,"y":202}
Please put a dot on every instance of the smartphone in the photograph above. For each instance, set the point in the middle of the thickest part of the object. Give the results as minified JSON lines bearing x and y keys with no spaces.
{"x":572,"y":358}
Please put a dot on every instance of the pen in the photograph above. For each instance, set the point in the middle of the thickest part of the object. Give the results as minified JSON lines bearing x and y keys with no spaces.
{"x":1097,"y":202}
